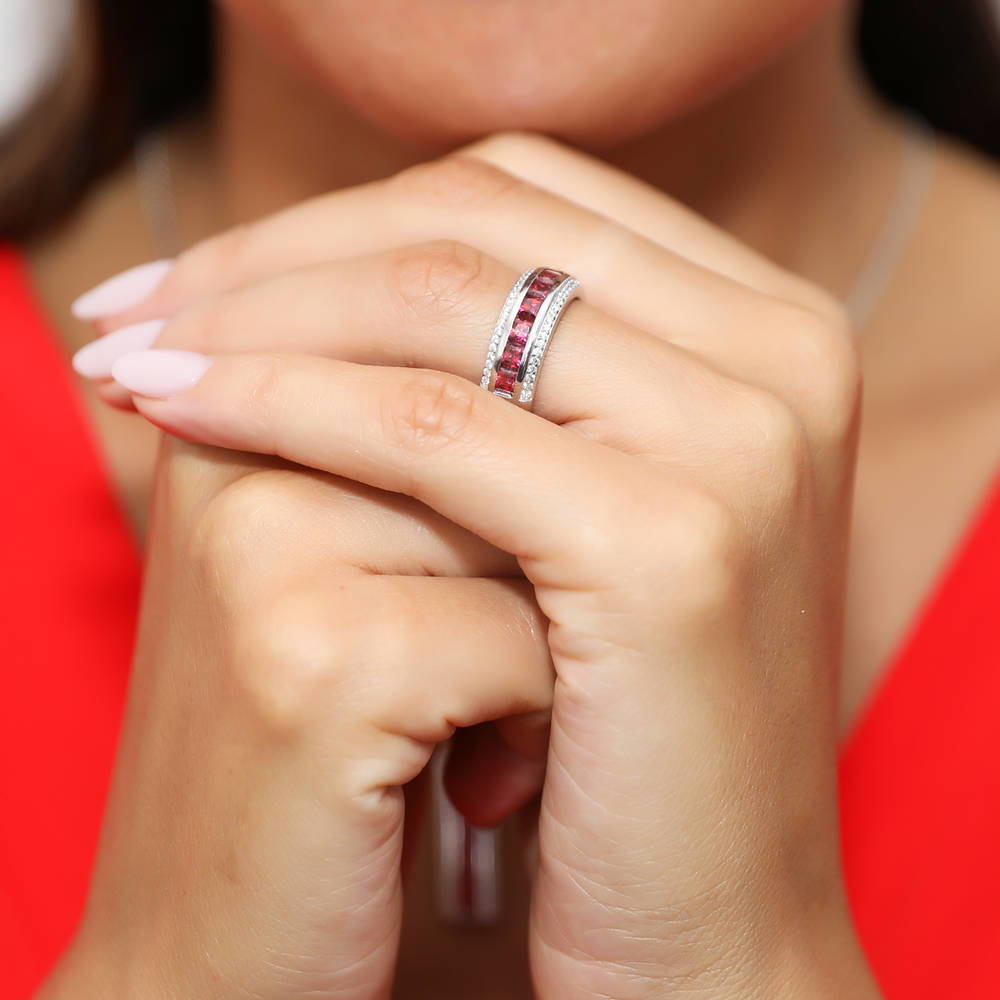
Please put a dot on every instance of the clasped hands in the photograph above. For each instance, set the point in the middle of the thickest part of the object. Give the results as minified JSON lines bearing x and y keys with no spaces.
{"x":355,"y":550}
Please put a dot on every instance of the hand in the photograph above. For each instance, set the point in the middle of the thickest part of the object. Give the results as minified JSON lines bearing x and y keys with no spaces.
{"x":291,"y":677}
{"x":678,"y":502}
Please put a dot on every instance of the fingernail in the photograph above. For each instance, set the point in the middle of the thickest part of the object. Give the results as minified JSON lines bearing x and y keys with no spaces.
{"x":94,"y":360}
{"x":160,"y":374}
{"x":122,"y":291}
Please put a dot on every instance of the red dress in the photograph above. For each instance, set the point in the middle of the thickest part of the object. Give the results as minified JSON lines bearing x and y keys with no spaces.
{"x":920,"y":774}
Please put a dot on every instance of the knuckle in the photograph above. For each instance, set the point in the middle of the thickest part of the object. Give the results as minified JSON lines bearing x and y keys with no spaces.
{"x":696,"y":550}
{"x":391,"y":663}
{"x":265,"y":380}
{"x":825,"y":352}
{"x":839,"y":381}
{"x":269,"y":384}
{"x":603,"y":533}
{"x":694,"y":547}
{"x":386,"y":627}
{"x":305,"y":652}
{"x":435,"y":279}
{"x":456,"y":181}
{"x":288,"y":660}
{"x":703,"y":546}
{"x":778,"y":452}
{"x":232,"y":524}
{"x":430,"y":411}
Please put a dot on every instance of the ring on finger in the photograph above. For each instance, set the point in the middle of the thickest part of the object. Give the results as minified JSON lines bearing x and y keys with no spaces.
{"x":523,"y":330}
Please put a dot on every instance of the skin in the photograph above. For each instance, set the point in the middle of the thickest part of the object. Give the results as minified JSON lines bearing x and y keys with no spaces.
{"x":284,"y":679}
{"x":496,"y":66}
{"x":709,"y":637}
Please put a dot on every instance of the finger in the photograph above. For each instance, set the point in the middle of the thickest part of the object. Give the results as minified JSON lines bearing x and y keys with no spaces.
{"x":351,"y":525}
{"x":495,"y":469}
{"x":407,"y":644}
{"x":651,"y":287}
{"x":606,"y":189}
{"x":429,"y":306}
{"x":457,"y":197}
{"x":496,"y":768}
{"x":385,"y":533}
{"x":434,"y":305}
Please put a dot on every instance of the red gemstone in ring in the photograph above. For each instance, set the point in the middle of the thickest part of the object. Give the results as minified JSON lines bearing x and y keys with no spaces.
{"x":522,"y":331}
{"x":513,"y":351}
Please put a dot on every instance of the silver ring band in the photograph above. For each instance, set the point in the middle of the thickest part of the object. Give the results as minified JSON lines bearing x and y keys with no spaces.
{"x":523,"y":331}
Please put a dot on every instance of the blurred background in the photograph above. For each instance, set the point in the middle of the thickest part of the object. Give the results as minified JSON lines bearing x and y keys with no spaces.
{"x":33,"y":35}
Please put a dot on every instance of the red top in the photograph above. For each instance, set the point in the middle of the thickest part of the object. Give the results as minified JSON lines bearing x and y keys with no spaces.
{"x":920,"y":774}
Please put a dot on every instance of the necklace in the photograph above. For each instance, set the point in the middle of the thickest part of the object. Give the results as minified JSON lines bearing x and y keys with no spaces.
{"x":154,"y":178}
{"x":467,"y":859}
{"x":893,"y":237}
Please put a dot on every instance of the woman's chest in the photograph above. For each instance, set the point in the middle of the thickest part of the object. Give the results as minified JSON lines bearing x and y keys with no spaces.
{"x":922,"y":485}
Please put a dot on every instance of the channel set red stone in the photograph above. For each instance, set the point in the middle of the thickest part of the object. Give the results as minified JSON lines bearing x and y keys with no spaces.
{"x":513,"y":353}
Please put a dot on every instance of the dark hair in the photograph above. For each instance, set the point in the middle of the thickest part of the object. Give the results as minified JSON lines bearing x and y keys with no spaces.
{"x":131,"y":66}
{"x":135,"y":65}
{"x":940,"y":59}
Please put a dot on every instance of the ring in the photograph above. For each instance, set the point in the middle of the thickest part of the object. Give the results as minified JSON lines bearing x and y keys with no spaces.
{"x":523,"y":331}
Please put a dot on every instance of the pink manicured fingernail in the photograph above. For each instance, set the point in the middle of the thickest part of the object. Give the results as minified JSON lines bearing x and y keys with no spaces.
{"x":94,"y":360}
{"x":160,"y":373}
{"x":122,"y":291}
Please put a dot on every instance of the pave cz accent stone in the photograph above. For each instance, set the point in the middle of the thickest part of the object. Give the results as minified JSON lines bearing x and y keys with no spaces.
{"x":566,"y":290}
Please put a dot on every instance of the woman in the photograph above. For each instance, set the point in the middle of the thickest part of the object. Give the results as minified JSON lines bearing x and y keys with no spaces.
{"x":638,"y":599}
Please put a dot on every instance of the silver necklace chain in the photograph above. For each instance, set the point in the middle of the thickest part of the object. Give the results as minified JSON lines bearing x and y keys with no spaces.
{"x":154,"y":178}
{"x":896,"y":231}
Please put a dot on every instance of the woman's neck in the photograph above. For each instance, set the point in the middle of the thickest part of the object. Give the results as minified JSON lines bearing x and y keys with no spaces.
{"x":798,"y":161}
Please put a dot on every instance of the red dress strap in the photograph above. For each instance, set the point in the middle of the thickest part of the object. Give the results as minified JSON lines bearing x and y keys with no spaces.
{"x":69,"y":599}
{"x":920,"y":789}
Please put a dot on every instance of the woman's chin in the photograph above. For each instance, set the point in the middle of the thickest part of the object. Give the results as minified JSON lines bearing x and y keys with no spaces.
{"x":587,"y":72}
{"x":441,"y":113}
